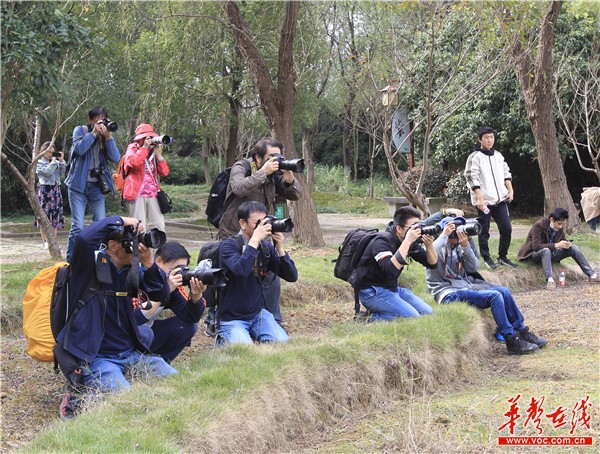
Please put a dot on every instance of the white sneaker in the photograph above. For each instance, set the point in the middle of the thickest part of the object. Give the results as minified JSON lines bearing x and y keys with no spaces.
{"x":551,"y":283}
{"x":45,"y":245}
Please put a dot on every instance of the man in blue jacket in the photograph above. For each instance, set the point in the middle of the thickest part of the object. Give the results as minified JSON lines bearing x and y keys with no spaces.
{"x":89,"y":177}
{"x":104,"y":334}
{"x":248,"y":259}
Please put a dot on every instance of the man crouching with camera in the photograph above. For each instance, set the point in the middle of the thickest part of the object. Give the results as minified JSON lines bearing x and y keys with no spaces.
{"x":248,"y":258}
{"x":455,"y":278}
{"x":103,"y":334}
{"x":89,"y":178}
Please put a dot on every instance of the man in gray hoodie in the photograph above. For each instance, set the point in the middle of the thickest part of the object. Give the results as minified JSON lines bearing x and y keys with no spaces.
{"x":455,"y":278}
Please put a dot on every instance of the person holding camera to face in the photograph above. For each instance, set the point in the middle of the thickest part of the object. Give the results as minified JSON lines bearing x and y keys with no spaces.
{"x":171,"y":335}
{"x":50,"y":169}
{"x":248,"y":259}
{"x":144,"y":165}
{"x":383,"y":261}
{"x":104,"y":334}
{"x":89,"y":178}
{"x":260,"y":179}
{"x":455,"y":278}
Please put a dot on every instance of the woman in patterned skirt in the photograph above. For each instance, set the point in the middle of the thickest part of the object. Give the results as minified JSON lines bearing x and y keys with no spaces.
{"x":50,"y":169}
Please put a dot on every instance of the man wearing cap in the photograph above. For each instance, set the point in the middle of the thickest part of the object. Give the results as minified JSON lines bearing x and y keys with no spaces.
{"x":144,"y":164}
{"x":455,"y":278}
{"x":89,"y":178}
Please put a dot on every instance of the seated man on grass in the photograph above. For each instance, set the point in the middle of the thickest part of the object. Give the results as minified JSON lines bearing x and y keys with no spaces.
{"x":384,"y":259}
{"x":455,"y":278}
{"x":248,"y":257}
{"x":546,"y":244}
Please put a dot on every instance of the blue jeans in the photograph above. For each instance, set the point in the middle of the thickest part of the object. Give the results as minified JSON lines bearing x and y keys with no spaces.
{"x":171,"y":336}
{"x":107,"y":373}
{"x":77,"y":202}
{"x":262,"y":328}
{"x":546,"y":257}
{"x":504,"y":308}
{"x":386,"y":304}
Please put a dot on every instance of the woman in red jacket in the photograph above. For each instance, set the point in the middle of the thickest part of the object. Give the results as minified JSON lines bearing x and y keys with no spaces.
{"x":144,"y":164}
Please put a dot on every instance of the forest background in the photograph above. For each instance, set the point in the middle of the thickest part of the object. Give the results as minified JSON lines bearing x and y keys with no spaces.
{"x":219,"y":75}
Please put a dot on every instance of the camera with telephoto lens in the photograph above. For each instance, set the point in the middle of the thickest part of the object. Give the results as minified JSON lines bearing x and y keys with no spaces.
{"x":278,"y":225}
{"x":295,"y":165}
{"x":213,"y":276}
{"x":102,"y":183}
{"x":471,"y":227}
{"x":56,"y":154}
{"x":164,"y":139}
{"x":153,"y":239}
{"x":110,"y":125}
{"x":433,"y":230}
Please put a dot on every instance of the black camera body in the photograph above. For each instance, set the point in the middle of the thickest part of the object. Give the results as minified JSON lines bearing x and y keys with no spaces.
{"x":56,"y":154}
{"x":278,"y":225}
{"x":295,"y":165}
{"x":471,"y":226}
{"x":153,"y":239}
{"x":433,"y":230}
{"x":110,"y":125}
{"x":213,"y":276}
{"x":102,"y":183}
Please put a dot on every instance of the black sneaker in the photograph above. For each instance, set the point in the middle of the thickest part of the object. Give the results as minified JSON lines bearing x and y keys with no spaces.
{"x":210,"y":329}
{"x":490,"y":263}
{"x":517,"y":346}
{"x":69,"y":404}
{"x":363,"y":317}
{"x":527,"y":335}
{"x":506,"y":261}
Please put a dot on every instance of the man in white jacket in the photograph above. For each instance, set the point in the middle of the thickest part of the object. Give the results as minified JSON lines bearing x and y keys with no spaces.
{"x":490,"y":181}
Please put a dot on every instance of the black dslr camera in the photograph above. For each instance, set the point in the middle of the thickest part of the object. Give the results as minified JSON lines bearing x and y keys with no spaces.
{"x":153,"y":239}
{"x":471,"y":227}
{"x":56,"y":154}
{"x":278,"y":225}
{"x":295,"y":165}
{"x":102,"y":183}
{"x":433,"y":230}
{"x":212,"y":276}
{"x":110,"y":125}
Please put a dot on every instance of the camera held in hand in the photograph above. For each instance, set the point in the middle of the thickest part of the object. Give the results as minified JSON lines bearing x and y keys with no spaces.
{"x":433,"y":230}
{"x":110,"y":125}
{"x":102,"y":183}
{"x":153,"y":239}
{"x":278,"y":225}
{"x":56,"y":154}
{"x":295,"y":165}
{"x":213,"y":276}
{"x":162,"y":140}
{"x":472,"y":227}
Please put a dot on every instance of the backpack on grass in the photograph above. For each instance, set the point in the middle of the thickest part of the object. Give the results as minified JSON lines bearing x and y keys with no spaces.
{"x":217,"y":199}
{"x":350,"y":252}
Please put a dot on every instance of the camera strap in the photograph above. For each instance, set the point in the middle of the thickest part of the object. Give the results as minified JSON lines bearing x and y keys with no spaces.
{"x":132,"y":282}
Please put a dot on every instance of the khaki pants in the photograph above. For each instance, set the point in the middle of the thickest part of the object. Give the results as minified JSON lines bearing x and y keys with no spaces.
{"x":147,"y":210}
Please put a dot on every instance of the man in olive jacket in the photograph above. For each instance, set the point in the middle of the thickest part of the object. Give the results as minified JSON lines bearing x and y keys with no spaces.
{"x":546,"y":243}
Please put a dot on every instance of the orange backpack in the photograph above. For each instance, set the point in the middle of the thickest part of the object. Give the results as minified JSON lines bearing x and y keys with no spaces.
{"x":119,"y":176}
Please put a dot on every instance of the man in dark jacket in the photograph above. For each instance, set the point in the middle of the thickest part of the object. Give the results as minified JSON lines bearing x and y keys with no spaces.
{"x":241,"y":310}
{"x":104,"y":334}
{"x":383,"y":261}
{"x":259,"y":179}
{"x":546,"y":243}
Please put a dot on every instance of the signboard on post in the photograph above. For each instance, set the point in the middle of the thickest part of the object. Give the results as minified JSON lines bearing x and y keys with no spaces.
{"x":401,"y":130}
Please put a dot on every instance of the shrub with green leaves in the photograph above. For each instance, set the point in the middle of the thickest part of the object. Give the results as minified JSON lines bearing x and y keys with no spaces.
{"x":456,"y":189}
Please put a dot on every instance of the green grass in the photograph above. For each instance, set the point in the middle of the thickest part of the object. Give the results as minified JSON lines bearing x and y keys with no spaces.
{"x":160,"y":416}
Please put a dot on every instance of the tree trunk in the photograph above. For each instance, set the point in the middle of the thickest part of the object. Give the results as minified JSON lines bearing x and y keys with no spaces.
{"x":535,"y":79}
{"x":307,"y":154}
{"x":346,"y":149}
{"x":205,"y":161}
{"x":278,"y":104}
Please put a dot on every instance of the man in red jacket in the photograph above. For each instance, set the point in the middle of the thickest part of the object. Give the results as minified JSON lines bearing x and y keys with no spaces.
{"x":144,"y":164}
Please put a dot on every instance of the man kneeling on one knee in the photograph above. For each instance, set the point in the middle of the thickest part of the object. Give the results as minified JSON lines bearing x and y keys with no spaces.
{"x":248,"y":257}
{"x":456,"y":279}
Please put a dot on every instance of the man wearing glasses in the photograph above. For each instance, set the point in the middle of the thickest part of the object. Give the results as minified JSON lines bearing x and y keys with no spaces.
{"x":384,"y":259}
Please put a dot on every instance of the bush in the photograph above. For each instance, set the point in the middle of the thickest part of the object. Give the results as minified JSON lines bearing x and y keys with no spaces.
{"x":456,"y":189}
{"x":434,"y":184}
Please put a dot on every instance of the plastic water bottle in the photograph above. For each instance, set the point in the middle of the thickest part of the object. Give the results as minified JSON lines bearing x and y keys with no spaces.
{"x":562,"y":278}
{"x":486,"y":211}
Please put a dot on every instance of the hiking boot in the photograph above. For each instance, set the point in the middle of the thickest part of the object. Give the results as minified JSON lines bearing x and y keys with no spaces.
{"x":550,"y":283}
{"x":506,"y":261}
{"x":490,"y":263}
{"x":528,"y":336}
{"x":69,"y":404}
{"x":517,"y":346}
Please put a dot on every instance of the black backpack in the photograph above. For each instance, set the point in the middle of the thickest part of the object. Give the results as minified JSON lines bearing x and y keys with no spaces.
{"x":217,"y":204}
{"x":350,"y":253}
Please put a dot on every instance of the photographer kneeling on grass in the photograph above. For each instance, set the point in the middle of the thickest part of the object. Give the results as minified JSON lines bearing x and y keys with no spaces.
{"x":456,"y":279}
{"x":171,"y":335}
{"x":383,"y":261}
{"x":248,"y":257}
{"x":103,"y":335}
